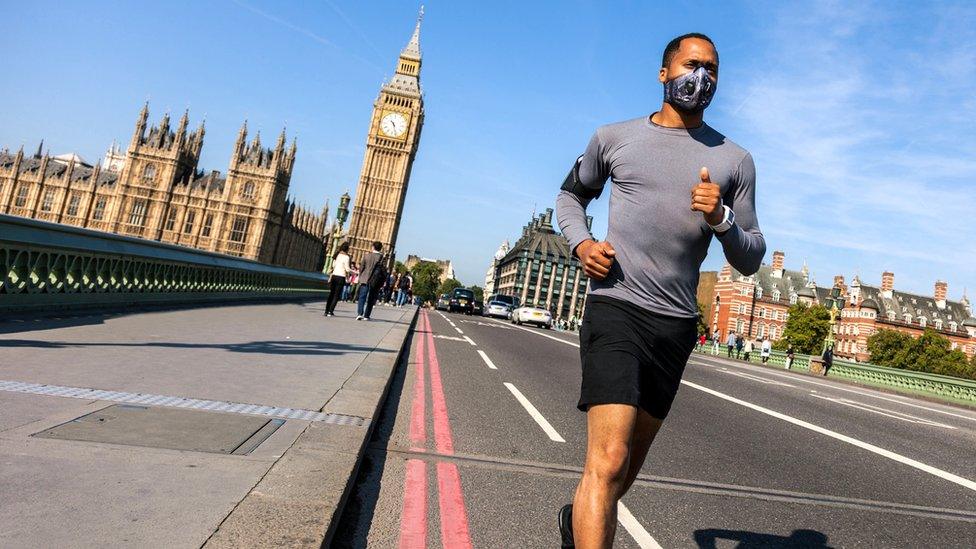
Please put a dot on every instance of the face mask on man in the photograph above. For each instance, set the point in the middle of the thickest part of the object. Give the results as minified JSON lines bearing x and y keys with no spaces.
{"x":691,"y":92}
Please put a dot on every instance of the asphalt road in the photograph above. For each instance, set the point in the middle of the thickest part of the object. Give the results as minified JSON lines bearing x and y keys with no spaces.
{"x":749,"y":456}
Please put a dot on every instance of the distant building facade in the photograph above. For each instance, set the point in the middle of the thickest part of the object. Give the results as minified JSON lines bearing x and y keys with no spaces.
{"x":493,"y":268}
{"x":758,"y":305}
{"x":541,"y":270}
{"x":446,"y":266}
{"x":391,"y":145}
{"x":155,"y":191}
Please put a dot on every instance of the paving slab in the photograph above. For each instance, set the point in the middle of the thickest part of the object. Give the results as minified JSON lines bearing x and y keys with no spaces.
{"x":108,"y":493}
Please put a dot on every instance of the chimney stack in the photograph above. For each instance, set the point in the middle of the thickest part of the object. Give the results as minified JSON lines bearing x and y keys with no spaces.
{"x":887,"y":282}
{"x":839,"y":283}
{"x":941,"y":292}
{"x":778,"y":260}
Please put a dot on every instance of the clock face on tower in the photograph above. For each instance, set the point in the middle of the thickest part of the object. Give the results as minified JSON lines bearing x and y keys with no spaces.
{"x":393,"y":124}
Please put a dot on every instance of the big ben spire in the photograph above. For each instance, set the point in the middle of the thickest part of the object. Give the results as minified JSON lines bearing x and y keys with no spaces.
{"x":391,"y":145}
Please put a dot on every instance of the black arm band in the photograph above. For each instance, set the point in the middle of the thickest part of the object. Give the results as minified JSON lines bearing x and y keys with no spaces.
{"x":572,"y":183}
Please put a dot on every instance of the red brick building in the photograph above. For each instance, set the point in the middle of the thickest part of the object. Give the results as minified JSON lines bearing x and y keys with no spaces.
{"x":758,"y":305}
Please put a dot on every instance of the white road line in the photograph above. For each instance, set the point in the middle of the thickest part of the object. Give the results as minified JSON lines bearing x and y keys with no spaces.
{"x":471,"y":341}
{"x":634,"y":528}
{"x":543,"y":335}
{"x":755,"y":378}
{"x":458,"y":330}
{"x":452,"y":338}
{"x":546,"y":426}
{"x":884,"y":412}
{"x":945,"y":475}
{"x":796,"y":377}
{"x":487,"y":360}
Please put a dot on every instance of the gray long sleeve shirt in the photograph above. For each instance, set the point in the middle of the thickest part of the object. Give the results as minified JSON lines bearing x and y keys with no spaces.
{"x":660,"y":242}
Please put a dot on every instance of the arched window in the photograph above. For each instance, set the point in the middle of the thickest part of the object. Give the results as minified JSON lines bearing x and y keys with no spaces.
{"x":792,"y":299}
{"x":776,"y":295}
{"x":908,"y":318}
{"x":953,"y":326}
{"x":922,"y":320}
{"x":149,"y":173}
{"x":938,"y":323}
{"x":248,"y":190}
{"x":759,"y":292}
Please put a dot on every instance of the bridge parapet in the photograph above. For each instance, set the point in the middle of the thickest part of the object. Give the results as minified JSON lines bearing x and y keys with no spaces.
{"x":50,"y":266}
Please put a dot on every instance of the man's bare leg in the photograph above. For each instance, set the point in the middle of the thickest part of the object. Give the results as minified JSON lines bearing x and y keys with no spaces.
{"x":610,"y":428}
{"x":644,"y":432}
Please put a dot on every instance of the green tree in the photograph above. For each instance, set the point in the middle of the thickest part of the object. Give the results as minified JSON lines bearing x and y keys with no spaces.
{"x":479,"y":292}
{"x":426,"y":278}
{"x":806,"y":328}
{"x":399,"y":267}
{"x":449,"y":285}
{"x":929,"y":352}
{"x":702,"y":324}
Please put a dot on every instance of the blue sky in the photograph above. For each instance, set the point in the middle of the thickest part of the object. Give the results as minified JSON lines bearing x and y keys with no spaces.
{"x":860,"y":115}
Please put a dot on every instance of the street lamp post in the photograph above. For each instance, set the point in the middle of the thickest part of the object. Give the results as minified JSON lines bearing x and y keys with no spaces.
{"x":834,"y":304}
{"x":341,"y":213}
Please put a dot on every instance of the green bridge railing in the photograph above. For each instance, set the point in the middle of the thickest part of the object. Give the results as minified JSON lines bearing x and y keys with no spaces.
{"x":948,"y":388}
{"x":48,"y":266}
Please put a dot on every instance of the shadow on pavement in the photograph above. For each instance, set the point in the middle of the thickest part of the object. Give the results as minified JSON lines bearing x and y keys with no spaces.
{"x":357,"y":516}
{"x":706,"y":539}
{"x":286,"y":347}
{"x":31,"y":322}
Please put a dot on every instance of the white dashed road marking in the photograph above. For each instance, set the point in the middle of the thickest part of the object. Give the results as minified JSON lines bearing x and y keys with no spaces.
{"x":546,"y":426}
{"x":634,"y":528}
{"x":470,"y":341}
{"x":487,"y":360}
{"x":884,"y":412}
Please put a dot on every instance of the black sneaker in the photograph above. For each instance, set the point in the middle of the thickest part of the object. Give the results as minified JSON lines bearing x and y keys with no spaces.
{"x":566,"y":526}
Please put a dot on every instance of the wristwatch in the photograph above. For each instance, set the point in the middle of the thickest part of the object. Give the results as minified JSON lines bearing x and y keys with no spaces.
{"x":727,"y":220}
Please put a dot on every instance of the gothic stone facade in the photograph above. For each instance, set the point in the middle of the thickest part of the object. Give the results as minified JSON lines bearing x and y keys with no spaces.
{"x":758,"y":306}
{"x":391,"y":145}
{"x":156,"y":192}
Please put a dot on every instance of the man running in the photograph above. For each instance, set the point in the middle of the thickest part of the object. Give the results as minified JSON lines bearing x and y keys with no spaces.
{"x":676,"y":182}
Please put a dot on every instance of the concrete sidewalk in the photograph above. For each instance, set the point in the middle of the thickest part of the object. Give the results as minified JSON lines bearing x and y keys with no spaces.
{"x":221,"y":426}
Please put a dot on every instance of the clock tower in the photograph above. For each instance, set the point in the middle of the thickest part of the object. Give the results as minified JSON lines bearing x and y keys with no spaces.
{"x":394,"y":134}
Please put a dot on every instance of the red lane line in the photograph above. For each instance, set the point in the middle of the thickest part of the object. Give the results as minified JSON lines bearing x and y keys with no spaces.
{"x":418,"y":427}
{"x":454,"y":517}
{"x":413,"y":520}
{"x":442,"y":428}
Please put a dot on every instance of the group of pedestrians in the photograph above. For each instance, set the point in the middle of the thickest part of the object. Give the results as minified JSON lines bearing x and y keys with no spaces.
{"x":366,"y":286}
{"x":742,"y":347}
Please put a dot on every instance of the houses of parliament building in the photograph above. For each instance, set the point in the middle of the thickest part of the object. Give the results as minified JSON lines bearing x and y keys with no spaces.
{"x":154,"y":190}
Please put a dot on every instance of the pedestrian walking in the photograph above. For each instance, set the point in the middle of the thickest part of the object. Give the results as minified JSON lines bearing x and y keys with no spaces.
{"x":747,"y":348}
{"x":738,"y":345}
{"x":701,"y":342}
{"x":828,"y":359}
{"x":716,"y":338}
{"x":340,"y":268}
{"x":767,"y":349}
{"x":404,"y":287}
{"x":730,"y":343}
{"x":641,"y":317}
{"x":374,"y":275}
{"x":789,"y":356}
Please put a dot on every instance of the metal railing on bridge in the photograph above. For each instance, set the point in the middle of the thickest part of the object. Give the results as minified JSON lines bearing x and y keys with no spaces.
{"x":952,"y":389}
{"x":51,"y":266}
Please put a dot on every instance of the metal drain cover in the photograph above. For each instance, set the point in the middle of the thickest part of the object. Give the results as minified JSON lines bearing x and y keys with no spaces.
{"x":171,"y":428}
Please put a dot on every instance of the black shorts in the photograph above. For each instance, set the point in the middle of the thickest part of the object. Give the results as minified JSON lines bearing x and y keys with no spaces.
{"x":632,"y":356}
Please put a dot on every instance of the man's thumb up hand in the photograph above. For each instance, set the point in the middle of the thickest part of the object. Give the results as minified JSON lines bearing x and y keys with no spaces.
{"x":706,"y":197}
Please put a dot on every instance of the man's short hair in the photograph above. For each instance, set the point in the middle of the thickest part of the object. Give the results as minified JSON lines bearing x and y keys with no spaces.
{"x":675,"y":44}
{"x":377,"y":245}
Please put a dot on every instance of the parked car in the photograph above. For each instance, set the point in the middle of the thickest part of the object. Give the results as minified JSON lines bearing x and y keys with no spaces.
{"x":479,"y":308}
{"x":462,"y":301}
{"x":532,"y":315}
{"x":510,"y":300}
{"x":498,"y":309}
{"x":443,"y":303}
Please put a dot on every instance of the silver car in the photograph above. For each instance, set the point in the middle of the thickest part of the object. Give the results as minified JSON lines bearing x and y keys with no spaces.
{"x":532,"y":315}
{"x":498,"y":309}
